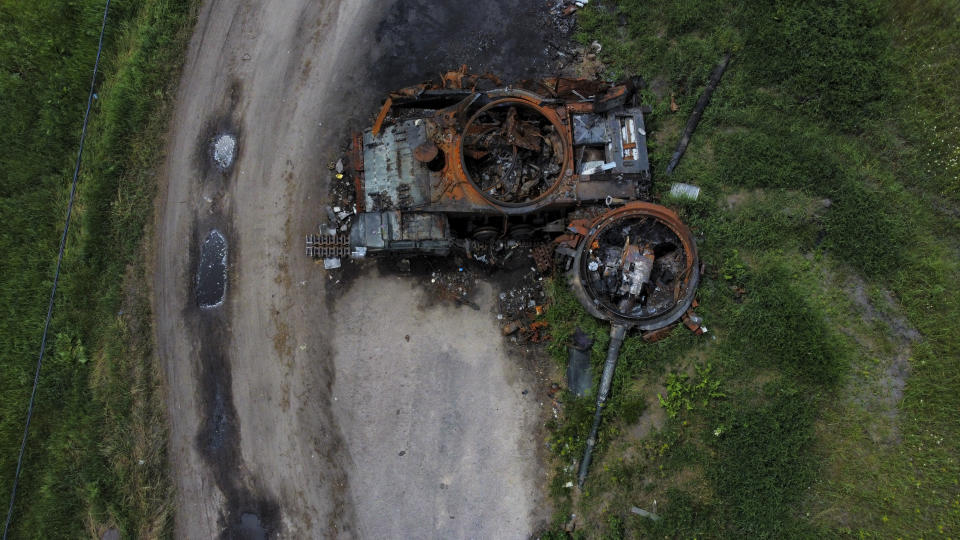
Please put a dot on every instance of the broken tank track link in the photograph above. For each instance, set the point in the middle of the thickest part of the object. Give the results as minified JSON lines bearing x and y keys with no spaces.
{"x":327,"y":246}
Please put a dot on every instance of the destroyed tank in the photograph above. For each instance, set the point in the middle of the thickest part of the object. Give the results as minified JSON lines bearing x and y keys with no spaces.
{"x":557,"y":164}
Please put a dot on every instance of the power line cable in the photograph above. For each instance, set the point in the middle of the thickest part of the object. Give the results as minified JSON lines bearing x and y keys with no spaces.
{"x":56,"y":276}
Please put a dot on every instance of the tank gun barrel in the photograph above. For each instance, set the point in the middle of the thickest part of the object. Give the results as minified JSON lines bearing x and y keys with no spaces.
{"x":617,"y":333}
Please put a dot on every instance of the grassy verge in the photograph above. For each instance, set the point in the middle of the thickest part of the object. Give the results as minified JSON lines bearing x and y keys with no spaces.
{"x":96,"y":454}
{"x":828,"y":223}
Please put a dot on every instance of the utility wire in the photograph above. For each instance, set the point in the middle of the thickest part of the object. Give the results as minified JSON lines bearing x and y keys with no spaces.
{"x":56,"y":276}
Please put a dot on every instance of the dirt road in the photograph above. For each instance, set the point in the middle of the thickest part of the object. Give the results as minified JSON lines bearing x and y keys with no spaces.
{"x":289,"y":407}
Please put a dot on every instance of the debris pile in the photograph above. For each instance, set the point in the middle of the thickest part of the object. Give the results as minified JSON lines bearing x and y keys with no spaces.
{"x":343,"y":191}
{"x":498,"y":253}
{"x":339,"y":219}
{"x":456,"y":286}
{"x":520,"y":305}
{"x":562,"y":13}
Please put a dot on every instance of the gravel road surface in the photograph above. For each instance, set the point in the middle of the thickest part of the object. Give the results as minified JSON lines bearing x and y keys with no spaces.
{"x":293,"y":412}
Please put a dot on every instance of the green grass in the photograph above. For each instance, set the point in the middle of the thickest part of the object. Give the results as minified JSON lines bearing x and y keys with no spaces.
{"x":95,"y":457}
{"x":827,"y":162}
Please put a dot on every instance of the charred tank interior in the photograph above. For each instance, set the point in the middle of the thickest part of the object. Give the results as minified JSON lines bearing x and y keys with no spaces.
{"x":635,"y":267}
{"x":512,"y":153}
{"x":637,"y":264}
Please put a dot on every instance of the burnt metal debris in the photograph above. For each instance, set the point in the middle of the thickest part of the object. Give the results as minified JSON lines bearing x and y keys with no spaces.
{"x":698,"y":109}
{"x":556,"y":169}
{"x":579,"y":371}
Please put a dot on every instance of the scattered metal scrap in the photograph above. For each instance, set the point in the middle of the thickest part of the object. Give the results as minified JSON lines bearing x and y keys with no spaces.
{"x":520,"y":306}
{"x":566,"y":9}
{"x":457,"y":286}
{"x":644,"y":513}
{"x":698,"y":109}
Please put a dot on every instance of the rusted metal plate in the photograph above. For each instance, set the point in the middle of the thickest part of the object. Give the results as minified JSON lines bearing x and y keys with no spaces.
{"x":602,"y":186}
{"x":382,"y":116}
{"x":393,"y":177}
{"x":656,"y":335}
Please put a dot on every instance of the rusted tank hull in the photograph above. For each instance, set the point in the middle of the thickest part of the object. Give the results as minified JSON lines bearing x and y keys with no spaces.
{"x":485,"y":156}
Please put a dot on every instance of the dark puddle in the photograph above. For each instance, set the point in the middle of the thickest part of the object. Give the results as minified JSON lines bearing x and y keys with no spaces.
{"x":219,"y":140}
{"x":250,"y":528}
{"x":212,"y":273}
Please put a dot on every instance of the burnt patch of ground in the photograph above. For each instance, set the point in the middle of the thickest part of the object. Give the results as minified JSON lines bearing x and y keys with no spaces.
{"x":454,"y":279}
{"x":450,"y":279}
{"x":419,"y":39}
